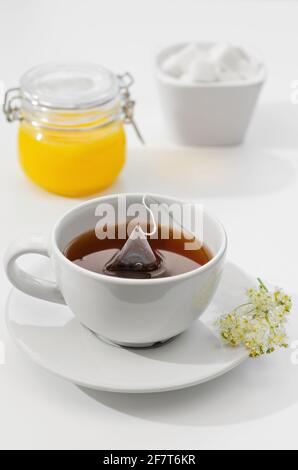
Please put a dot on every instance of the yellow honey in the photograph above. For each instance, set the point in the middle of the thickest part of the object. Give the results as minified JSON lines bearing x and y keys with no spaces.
{"x":71,"y":117}
{"x":75,"y":162}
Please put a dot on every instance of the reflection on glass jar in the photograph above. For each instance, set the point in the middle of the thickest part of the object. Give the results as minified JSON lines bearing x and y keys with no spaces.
{"x":71,"y":134}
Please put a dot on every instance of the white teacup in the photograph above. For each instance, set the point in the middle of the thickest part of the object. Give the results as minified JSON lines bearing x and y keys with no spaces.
{"x":130,"y":312}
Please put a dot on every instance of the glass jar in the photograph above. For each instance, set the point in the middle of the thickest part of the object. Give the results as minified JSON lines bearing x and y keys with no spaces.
{"x":71,"y":135}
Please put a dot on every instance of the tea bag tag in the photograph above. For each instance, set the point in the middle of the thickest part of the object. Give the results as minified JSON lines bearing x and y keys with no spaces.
{"x":136,"y":257}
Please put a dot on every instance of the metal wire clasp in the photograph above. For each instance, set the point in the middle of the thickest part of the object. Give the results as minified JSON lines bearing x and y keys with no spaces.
{"x":12,"y":104}
{"x":126,"y":80}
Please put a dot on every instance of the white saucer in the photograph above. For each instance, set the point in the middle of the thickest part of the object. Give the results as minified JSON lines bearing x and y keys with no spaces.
{"x":53,"y":338}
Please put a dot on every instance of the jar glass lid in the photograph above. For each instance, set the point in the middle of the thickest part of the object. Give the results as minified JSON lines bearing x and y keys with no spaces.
{"x":69,"y":85}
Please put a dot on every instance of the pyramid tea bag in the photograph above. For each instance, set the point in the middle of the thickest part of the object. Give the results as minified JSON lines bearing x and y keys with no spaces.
{"x":136,"y":259}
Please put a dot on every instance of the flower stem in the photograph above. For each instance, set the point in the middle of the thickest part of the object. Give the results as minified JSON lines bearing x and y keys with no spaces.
{"x":262,"y":285}
{"x":242,"y":305}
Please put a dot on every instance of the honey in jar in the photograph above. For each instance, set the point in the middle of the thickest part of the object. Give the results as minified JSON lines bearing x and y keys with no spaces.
{"x":71,"y":136}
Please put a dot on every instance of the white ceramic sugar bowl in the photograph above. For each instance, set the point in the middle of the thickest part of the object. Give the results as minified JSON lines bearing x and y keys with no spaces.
{"x":211,"y":113}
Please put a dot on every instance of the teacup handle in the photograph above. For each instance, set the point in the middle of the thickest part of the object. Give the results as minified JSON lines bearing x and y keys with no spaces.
{"x":24,"y":281}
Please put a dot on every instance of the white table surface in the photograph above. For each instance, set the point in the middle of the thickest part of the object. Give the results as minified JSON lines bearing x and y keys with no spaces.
{"x":253,"y":189}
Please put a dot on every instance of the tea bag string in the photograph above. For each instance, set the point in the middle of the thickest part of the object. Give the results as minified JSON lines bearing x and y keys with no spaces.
{"x":189,"y":233}
{"x":151,"y":216}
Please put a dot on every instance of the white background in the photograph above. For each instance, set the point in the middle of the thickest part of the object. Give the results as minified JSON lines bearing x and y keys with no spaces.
{"x":253,"y":189}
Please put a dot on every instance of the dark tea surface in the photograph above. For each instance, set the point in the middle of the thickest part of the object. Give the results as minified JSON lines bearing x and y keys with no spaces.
{"x":94,"y":254}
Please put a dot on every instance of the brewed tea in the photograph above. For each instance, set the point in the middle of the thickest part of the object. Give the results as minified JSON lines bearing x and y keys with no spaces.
{"x":136,"y":258}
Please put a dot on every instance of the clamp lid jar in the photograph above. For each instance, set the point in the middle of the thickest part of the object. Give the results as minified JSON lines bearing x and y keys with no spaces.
{"x":71,"y":134}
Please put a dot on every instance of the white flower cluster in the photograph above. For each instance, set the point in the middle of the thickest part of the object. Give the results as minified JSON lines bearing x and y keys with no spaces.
{"x":258,"y":324}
